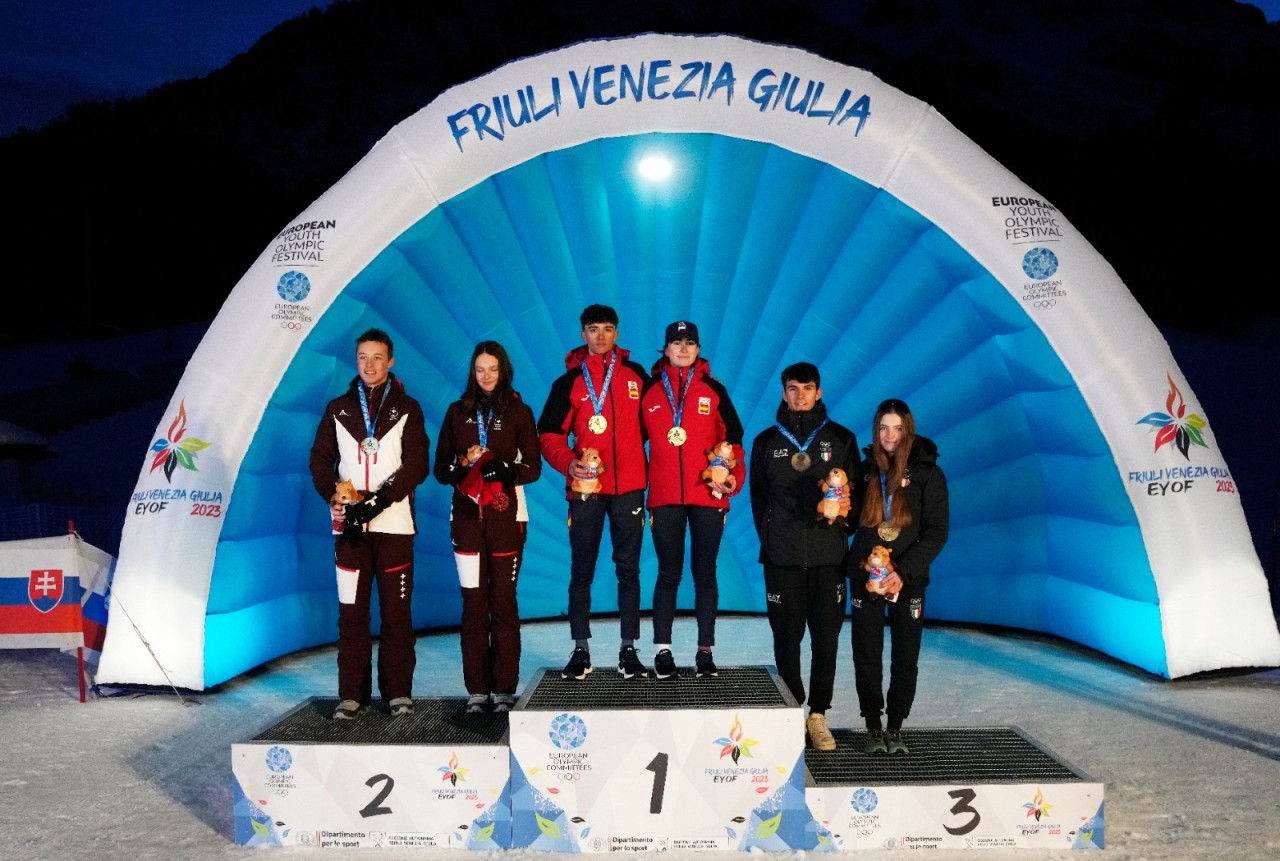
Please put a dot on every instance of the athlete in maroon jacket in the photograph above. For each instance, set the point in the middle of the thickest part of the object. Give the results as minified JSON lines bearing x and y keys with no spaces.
{"x":375,"y":436}
{"x":686,"y":415}
{"x":596,"y":402}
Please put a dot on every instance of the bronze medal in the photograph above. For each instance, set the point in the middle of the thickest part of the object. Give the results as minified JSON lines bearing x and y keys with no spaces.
{"x":677,"y":436}
{"x":887,"y":531}
{"x":369,"y":445}
{"x":597,"y":424}
{"x":800,"y":461}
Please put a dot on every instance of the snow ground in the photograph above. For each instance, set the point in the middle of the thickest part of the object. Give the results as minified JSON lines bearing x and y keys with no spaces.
{"x":1190,"y":767}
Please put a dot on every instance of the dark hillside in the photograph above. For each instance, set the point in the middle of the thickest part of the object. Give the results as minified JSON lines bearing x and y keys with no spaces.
{"x":1150,"y":123}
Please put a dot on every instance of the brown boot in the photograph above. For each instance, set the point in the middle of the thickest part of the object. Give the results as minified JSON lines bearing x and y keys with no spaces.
{"x":819,"y":734}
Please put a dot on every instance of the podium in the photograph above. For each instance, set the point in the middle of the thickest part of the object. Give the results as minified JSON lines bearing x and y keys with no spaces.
{"x":959,"y":788}
{"x":612,"y":765}
{"x":645,"y":765}
{"x":436,"y":778}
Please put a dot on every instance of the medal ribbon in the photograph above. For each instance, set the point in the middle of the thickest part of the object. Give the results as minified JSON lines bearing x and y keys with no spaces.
{"x":482,"y":426}
{"x":887,"y":497}
{"x":677,"y":412}
{"x":371,"y":422}
{"x":794,"y":441}
{"x":598,"y":402}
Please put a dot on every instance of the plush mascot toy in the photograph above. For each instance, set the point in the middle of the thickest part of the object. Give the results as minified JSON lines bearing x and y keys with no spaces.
{"x":834,"y":505}
{"x":720,"y":460}
{"x":878,"y":567}
{"x":347,"y":494}
{"x":473,"y":454}
{"x":584,"y":487}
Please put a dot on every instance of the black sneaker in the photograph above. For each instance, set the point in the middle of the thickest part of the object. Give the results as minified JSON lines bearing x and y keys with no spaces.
{"x":894,"y":743}
{"x":477,"y":704}
{"x":664,"y":664}
{"x":629,"y":665}
{"x":875,"y":741}
{"x":503,"y":702}
{"x":705,"y":664}
{"x":579,"y":665}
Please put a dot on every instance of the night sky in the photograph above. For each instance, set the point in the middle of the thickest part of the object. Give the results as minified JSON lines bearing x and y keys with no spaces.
{"x":55,"y":53}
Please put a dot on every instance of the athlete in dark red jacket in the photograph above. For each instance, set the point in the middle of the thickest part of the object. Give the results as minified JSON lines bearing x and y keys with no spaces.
{"x":686,"y":415}
{"x":375,"y":436}
{"x":596,"y":402}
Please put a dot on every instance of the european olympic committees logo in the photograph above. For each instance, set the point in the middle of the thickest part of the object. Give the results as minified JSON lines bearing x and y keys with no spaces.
{"x":293,"y":286}
{"x":176,"y":449}
{"x":279,"y":759}
{"x":864,"y":800}
{"x":734,"y":745}
{"x":1039,"y":263}
{"x":568,"y":731}
{"x":1175,"y":425}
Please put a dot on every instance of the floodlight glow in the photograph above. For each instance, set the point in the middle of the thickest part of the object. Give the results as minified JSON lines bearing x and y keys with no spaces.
{"x":655,"y":167}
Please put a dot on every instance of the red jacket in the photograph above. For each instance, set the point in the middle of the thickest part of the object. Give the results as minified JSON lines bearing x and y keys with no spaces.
{"x":675,"y":472}
{"x":569,"y":408}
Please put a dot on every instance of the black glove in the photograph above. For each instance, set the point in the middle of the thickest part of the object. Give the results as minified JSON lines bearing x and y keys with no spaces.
{"x":360,"y":513}
{"x":498,"y":470}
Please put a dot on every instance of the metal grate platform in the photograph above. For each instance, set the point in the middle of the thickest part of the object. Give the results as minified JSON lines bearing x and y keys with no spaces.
{"x":734,"y":687}
{"x":435,"y":721}
{"x":952,"y":755}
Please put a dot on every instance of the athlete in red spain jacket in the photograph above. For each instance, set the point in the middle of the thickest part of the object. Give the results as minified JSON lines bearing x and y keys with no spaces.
{"x":569,"y":408}
{"x":708,"y":417}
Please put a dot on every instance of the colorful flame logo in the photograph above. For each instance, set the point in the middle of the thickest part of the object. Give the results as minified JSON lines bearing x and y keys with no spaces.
{"x":452,"y":772}
{"x":177,"y":449}
{"x":734,"y":745}
{"x":1175,"y":425}
{"x":1037,"y":808}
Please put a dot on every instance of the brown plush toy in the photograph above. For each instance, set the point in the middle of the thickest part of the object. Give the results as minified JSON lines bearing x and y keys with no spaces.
{"x":720,"y":460}
{"x":472,"y":455}
{"x":834,"y":505}
{"x":590,"y":459}
{"x":878,"y":567}
{"x":346,"y":493}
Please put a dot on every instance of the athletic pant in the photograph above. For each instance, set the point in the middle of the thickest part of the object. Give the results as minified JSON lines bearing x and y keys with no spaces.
{"x":906,"y":628}
{"x":706,"y":528}
{"x":806,"y":597}
{"x":626,"y":533}
{"x":363,"y":558}
{"x":488,"y":554}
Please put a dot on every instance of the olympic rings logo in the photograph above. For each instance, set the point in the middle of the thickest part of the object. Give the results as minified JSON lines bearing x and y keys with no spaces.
{"x":291,"y":325}
{"x":570,"y":777}
{"x":1044,"y":303}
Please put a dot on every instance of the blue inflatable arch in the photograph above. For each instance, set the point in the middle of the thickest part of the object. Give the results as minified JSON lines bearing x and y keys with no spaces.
{"x":812,"y":213}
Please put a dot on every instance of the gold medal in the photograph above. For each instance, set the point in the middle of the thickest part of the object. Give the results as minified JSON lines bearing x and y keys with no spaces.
{"x":800,"y":461}
{"x":887,"y":531}
{"x":676,"y":436}
{"x":597,"y":423}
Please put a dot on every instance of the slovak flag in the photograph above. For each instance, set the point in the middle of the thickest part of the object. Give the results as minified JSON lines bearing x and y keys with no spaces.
{"x":53,"y":594}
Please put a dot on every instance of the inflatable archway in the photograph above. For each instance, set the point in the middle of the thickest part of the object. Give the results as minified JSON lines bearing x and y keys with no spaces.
{"x":813,"y":213}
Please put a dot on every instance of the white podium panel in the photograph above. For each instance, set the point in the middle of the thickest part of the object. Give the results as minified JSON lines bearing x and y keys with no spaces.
{"x":380,"y":793}
{"x":1021,"y":816}
{"x":660,"y":779}
{"x":958,"y":788}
